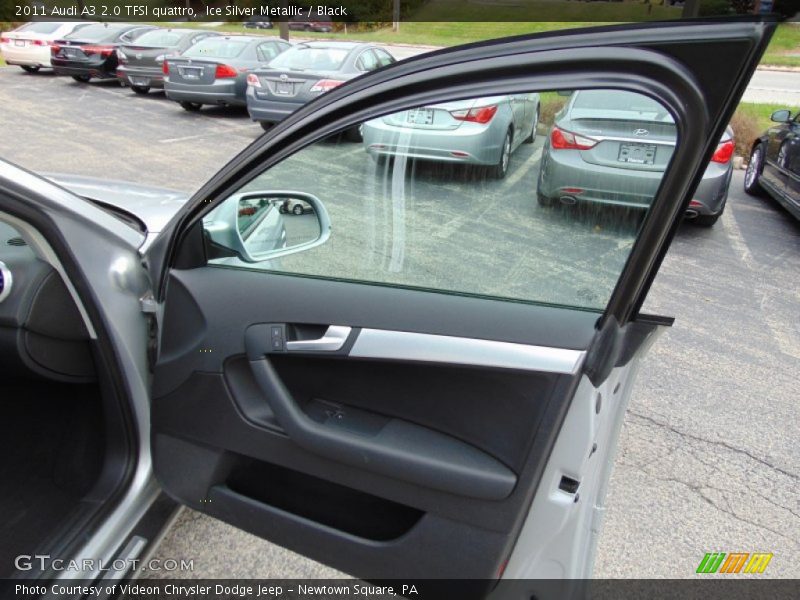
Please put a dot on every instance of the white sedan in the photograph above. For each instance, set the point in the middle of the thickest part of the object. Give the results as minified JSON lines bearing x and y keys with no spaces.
{"x":28,"y":46}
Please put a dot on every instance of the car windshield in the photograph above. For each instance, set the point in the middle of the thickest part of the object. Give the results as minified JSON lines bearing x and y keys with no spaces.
{"x":217,"y":47}
{"x":303,"y":58}
{"x":617,"y":104}
{"x":160,"y":38}
{"x":40,"y":27}
{"x":94,"y":33}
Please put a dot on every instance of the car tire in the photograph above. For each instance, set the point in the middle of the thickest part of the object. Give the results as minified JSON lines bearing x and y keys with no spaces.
{"x":191,"y":106}
{"x":500,"y":170}
{"x":752,"y":176}
{"x":532,"y":136}
{"x":545,"y":201}
{"x":140,"y":89}
{"x":707,"y":220}
{"x":297,"y":209}
{"x":30,"y":68}
{"x":81,"y":78}
{"x":265,"y":125}
{"x":353,"y":135}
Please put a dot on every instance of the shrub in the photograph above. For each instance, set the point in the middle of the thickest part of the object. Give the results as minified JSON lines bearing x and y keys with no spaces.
{"x":745,"y":130}
{"x":549,"y":105}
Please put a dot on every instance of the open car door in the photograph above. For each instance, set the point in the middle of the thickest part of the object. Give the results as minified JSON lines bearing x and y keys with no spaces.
{"x":406,"y":367}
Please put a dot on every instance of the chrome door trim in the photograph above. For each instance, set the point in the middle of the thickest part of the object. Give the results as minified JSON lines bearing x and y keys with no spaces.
{"x":423,"y":347}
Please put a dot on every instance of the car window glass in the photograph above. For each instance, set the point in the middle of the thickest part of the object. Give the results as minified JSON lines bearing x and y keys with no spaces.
{"x":367,"y":61}
{"x":527,"y":200}
{"x":384,"y":58}
{"x":40,"y":27}
{"x":159,"y":38}
{"x":267,"y":52}
{"x":219,"y":47}
{"x":302,"y":57}
{"x":94,"y":33}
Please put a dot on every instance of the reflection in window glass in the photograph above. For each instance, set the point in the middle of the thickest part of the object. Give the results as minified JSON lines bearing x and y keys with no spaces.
{"x":533,"y":197}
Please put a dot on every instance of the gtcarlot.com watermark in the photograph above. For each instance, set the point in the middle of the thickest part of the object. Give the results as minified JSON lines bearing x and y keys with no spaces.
{"x":45,"y":562}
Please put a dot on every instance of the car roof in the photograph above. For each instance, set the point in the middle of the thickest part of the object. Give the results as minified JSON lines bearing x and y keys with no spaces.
{"x":335,"y":44}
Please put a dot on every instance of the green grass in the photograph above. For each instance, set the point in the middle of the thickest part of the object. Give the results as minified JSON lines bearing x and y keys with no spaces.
{"x":785,"y":43}
{"x":761,"y":112}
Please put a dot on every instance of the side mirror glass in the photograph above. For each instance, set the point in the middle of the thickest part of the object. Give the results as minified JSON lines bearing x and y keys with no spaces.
{"x":263,"y":225}
{"x":781,"y":116}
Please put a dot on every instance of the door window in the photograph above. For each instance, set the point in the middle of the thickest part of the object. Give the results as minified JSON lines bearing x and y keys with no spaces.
{"x":367,"y":61}
{"x":462,"y":197}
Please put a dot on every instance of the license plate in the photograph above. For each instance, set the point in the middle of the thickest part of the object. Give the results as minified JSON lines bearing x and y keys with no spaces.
{"x":190,"y":72}
{"x":71,"y":52}
{"x":284,"y":88}
{"x":19,"y":42}
{"x":637,"y":154}
{"x":420,"y":116}
{"x":140,"y":81}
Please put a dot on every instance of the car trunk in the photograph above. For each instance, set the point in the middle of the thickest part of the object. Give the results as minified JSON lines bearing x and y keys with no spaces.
{"x":82,"y":49}
{"x":436,"y":116}
{"x":294,"y":85}
{"x":626,"y":144}
{"x":194,"y":71}
{"x":144,"y":56}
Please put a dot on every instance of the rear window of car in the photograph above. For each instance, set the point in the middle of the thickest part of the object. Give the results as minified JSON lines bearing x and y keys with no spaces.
{"x":159,"y":38}
{"x":94,"y":33}
{"x":217,"y":47}
{"x":618,"y":103}
{"x":42,"y":27}
{"x":302,"y":58}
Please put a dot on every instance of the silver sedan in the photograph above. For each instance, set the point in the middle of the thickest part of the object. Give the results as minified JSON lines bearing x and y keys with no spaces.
{"x":479,"y":131}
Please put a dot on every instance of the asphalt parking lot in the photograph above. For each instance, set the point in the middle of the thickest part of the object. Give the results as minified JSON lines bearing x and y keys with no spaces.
{"x":708,"y":459}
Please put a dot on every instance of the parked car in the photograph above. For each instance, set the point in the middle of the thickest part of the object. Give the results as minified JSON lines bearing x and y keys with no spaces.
{"x":480,"y":131}
{"x":774,"y":165}
{"x":141,"y":62}
{"x":91,"y":51}
{"x":258,"y":22}
{"x":310,"y":23}
{"x":612,"y":148}
{"x":304,"y":72}
{"x":214,"y":71}
{"x":28,"y":46}
{"x":372,"y":403}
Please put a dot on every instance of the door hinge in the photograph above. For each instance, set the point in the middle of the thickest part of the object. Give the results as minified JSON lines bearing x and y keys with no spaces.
{"x":149,"y":307}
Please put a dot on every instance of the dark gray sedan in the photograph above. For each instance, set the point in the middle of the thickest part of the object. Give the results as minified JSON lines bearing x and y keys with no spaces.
{"x":306,"y":71}
{"x":141,"y":63}
{"x":611,"y":147}
{"x":214,"y":70}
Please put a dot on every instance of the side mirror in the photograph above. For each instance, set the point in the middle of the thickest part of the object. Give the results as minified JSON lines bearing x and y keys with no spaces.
{"x":263,"y":225}
{"x":781,"y":116}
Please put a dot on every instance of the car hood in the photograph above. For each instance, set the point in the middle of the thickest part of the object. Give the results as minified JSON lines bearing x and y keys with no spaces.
{"x":153,"y":206}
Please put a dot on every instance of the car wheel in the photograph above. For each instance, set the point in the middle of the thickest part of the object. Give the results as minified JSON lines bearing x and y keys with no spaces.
{"x":140,"y":89}
{"x":532,"y":136}
{"x":29,"y":69}
{"x":265,"y":126}
{"x":297,"y":209}
{"x":752,"y":175}
{"x":501,"y":168}
{"x":191,"y":106}
{"x":353,"y":135}
{"x":81,"y":78}
{"x":707,"y":220}
{"x":544,"y":200}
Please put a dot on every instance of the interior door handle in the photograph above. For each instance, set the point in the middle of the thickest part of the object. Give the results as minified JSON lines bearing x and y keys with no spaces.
{"x":333,"y":340}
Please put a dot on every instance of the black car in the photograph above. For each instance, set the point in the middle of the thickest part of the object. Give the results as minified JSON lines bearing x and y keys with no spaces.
{"x":774,"y":166}
{"x":304,"y":72}
{"x":258,"y":23}
{"x":141,"y":63}
{"x":92,"y":50}
{"x":310,"y":23}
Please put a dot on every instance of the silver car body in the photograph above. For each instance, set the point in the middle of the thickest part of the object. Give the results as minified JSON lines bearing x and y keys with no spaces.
{"x":29,"y":45}
{"x":434,"y":133}
{"x":604,"y":173}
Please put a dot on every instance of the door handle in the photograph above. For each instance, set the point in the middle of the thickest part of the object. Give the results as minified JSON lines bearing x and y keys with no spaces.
{"x":332,"y":340}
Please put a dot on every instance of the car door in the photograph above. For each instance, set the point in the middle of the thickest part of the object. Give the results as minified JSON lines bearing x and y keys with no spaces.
{"x":775,"y":171}
{"x":791,"y":160}
{"x":427,"y":377}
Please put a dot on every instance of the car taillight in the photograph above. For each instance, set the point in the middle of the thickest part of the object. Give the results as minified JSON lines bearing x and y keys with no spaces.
{"x":54,"y":48}
{"x":39,"y":43}
{"x":561,"y":139}
{"x":101,"y":50}
{"x":482,"y":114}
{"x":253,"y":80}
{"x":5,"y":40}
{"x":165,"y":68}
{"x":724,"y":152}
{"x":325,"y":85}
{"x":225,"y":71}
